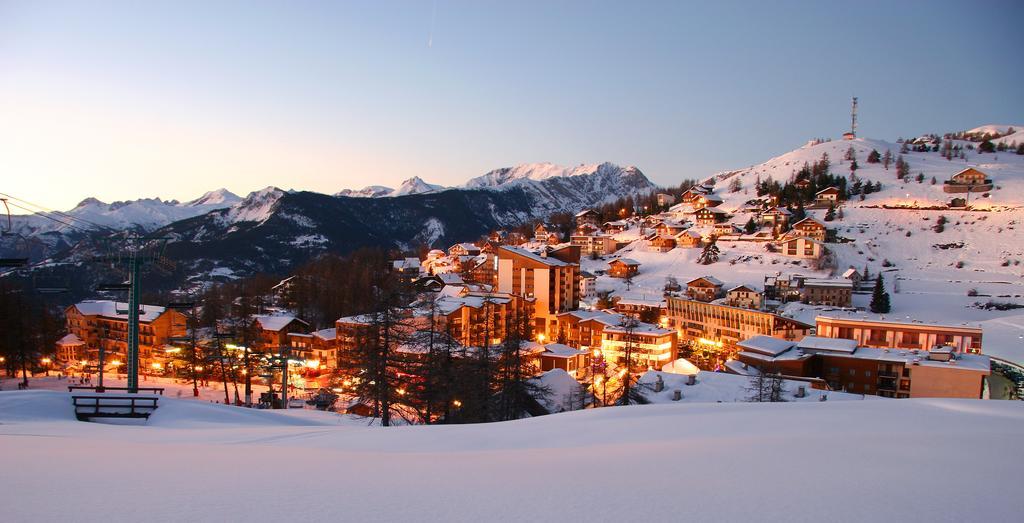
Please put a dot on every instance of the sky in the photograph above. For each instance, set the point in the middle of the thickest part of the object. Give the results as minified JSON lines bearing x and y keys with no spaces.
{"x":122,"y":100}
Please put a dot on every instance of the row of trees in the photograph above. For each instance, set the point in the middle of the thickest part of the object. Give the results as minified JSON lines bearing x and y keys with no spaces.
{"x":29,"y":329}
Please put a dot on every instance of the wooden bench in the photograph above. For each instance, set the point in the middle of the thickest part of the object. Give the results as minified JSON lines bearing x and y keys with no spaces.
{"x":153,"y":390}
{"x":109,"y":406}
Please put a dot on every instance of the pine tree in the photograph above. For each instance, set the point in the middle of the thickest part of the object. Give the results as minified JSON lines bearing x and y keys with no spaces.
{"x":874,"y":157}
{"x":751,"y":226}
{"x":887,"y":159}
{"x":709,"y":255}
{"x":880,"y":298}
{"x":830,"y":214}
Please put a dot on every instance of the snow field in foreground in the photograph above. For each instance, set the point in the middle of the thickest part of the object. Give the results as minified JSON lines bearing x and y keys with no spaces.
{"x":937,"y":460}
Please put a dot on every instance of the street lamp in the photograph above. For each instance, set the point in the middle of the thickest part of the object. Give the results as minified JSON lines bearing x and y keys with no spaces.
{"x":46,"y":364}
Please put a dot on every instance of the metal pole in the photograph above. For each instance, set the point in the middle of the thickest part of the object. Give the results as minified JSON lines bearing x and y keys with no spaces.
{"x":284,"y":377}
{"x":195,"y":382}
{"x":133,"y":324}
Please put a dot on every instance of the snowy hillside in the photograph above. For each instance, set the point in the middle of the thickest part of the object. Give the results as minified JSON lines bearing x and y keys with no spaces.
{"x":979,"y":251}
{"x":809,"y":461}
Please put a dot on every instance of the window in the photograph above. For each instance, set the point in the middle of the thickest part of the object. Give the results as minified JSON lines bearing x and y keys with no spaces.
{"x":853,"y":372}
{"x":867,"y":374}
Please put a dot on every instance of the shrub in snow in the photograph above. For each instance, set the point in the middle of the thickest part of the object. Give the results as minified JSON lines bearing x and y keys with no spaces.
{"x":972,"y":292}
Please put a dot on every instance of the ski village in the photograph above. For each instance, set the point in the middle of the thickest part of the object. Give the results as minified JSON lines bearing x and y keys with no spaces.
{"x":790,"y":286}
{"x":848,"y":271}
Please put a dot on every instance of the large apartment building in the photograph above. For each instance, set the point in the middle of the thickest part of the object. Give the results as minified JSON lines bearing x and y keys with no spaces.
{"x":901,"y":335}
{"x":717,"y":329}
{"x":611,"y":333}
{"x":104,"y":324}
{"x":893,"y":373}
{"x":551,"y":279}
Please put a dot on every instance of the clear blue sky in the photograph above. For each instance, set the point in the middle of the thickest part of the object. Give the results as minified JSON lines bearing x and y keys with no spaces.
{"x":129,"y":99}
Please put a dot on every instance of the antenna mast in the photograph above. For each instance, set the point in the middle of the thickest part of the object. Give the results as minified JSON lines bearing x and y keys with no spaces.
{"x":853,"y":117}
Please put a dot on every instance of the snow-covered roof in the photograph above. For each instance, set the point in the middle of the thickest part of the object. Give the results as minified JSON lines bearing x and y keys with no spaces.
{"x":766,"y":345}
{"x":275,"y":322}
{"x":405,"y":263}
{"x":641,"y":329}
{"x":70,"y":340}
{"x":109,"y":309}
{"x":742,"y":288}
{"x":824,"y":282}
{"x":558,"y":350}
{"x":710,"y":279}
{"x":969,"y":362}
{"x":819,"y":343}
{"x":680,"y":366}
{"x":326,"y":334}
{"x":585,"y":212}
{"x":849,"y":273}
{"x":358,"y":319}
{"x":547,"y":260}
{"x":642,"y":302}
{"x":827,"y":189}
{"x":626,"y":261}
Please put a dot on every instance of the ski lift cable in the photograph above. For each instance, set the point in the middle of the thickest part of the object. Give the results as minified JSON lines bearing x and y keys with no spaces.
{"x":58,"y":213}
{"x":48,"y":217}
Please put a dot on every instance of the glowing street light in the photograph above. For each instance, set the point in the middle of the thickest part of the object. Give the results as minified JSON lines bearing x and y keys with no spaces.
{"x":540,"y":338}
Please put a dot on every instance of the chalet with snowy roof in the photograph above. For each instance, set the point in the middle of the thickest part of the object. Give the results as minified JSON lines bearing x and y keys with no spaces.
{"x":689,"y":239}
{"x":95,"y":324}
{"x":463,"y":249}
{"x":803,"y":247}
{"x":704,"y":288}
{"x":560,"y":356}
{"x":709,"y":216}
{"x":968,"y":180}
{"x":802,"y":183}
{"x":745,"y":297}
{"x":588,"y":217}
{"x":615,"y":226}
{"x":826,"y":197}
{"x":835,"y":293}
{"x":661,"y":243}
{"x":724,"y":229}
{"x":775,"y":217}
{"x":273,"y":329}
{"x":809,"y":227}
{"x":669,"y":227}
{"x":542,"y":234}
{"x":623,"y":268}
{"x":707,"y":200}
{"x":690,"y":195}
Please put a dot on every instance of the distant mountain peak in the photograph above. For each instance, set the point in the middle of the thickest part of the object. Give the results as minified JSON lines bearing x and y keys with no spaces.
{"x":416,"y":185}
{"x":537,"y":172}
{"x":219,"y":197}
